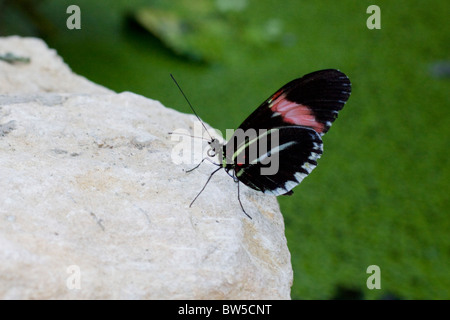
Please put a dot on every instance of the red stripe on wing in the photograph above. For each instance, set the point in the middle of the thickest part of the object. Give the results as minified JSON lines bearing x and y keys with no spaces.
{"x":295,"y":113}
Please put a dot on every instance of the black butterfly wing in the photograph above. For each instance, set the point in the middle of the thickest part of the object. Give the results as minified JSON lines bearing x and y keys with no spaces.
{"x":299,"y":114}
{"x":313,"y":101}
{"x":283,"y":165}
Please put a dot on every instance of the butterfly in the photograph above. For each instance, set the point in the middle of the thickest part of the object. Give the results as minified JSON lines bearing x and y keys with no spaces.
{"x":285,"y":130}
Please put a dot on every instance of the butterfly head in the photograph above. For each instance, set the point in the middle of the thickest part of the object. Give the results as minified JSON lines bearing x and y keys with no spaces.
{"x":215,"y":147}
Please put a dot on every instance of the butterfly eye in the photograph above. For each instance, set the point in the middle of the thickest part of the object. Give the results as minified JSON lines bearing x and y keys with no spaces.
{"x":211,"y":152}
{"x":215,"y":147}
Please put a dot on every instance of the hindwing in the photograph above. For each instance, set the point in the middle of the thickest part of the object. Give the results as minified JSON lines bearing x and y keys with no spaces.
{"x":291,"y":154}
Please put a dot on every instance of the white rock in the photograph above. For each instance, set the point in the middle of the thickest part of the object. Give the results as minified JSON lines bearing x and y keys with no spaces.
{"x":93,"y":207}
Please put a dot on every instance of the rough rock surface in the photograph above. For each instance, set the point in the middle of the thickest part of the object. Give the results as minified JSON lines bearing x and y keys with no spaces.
{"x":93,"y":207}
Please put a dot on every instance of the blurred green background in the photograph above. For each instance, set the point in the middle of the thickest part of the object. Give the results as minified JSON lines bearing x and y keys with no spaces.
{"x":380,"y":193}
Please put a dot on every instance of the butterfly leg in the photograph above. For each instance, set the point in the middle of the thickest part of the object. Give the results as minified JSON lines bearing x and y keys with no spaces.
{"x":232,"y":175}
{"x":239,"y":198}
{"x":187,"y":171}
{"x":204,"y":185}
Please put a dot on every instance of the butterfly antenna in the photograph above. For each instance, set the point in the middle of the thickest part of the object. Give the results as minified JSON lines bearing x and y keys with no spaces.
{"x":190,"y":105}
{"x":187,"y":135}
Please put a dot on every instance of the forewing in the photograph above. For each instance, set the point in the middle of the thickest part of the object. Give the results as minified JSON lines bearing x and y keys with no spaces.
{"x":312,"y":101}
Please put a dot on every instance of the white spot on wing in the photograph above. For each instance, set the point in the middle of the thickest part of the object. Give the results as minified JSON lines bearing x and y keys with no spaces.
{"x":290,"y":185}
{"x":317,"y":146}
{"x":308,"y":167}
{"x":275,"y":114}
{"x":299,"y":176}
{"x":276,"y":192}
{"x":314,"y":156}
